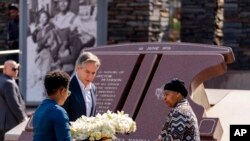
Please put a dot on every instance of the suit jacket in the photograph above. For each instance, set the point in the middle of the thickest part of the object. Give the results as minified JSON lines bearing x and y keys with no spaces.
{"x":12,"y":106}
{"x":75,"y":104}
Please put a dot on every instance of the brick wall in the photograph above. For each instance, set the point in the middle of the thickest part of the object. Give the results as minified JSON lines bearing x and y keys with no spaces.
{"x":137,"y":20}
{"x":220,"y":22}
{"x":197,"y":21}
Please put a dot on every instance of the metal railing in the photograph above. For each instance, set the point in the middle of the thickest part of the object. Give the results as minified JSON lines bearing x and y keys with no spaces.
{"x":8,"y":52}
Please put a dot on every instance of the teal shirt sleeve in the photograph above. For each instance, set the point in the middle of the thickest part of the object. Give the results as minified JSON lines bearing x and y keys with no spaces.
{"x":61,"y":124}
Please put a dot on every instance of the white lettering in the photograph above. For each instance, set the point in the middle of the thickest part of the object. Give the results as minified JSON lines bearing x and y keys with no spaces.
{"x":239,"y":132}
{"x":153,"y":48}
{"x":243,"y":131}
{"x":141,"y":48}
{"x":166,"y":48}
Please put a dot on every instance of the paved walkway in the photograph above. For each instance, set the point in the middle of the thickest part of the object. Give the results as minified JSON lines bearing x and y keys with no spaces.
{"x":230,"y":106}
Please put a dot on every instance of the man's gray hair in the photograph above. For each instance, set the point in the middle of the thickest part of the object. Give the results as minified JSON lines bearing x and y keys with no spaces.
{"x":88,"y":57}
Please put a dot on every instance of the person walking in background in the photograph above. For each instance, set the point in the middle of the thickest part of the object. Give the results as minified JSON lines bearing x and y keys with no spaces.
{"x":50,"y":121}
{"x":12,"y":105}
{"x":181,"y":124}
{"x":82,"y":101}
{"x":13,"y":31}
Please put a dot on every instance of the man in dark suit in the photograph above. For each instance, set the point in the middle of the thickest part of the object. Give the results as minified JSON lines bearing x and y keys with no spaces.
{"x":12,"y":106}
{"x":82,"y":100}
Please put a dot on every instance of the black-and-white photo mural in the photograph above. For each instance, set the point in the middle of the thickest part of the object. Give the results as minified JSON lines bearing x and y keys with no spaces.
{"x":57,"y":32}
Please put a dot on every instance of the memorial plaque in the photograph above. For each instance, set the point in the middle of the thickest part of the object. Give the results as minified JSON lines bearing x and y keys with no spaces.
{"x":160,"y":62}
{"x":131,"y":73}
{"x":111,"y":80}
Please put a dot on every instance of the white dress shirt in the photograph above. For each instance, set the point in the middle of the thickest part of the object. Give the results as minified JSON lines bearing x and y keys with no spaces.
{"x":86,"y":95}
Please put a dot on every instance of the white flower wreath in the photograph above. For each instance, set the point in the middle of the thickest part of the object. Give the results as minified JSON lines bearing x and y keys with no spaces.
{"x":102,"y":126}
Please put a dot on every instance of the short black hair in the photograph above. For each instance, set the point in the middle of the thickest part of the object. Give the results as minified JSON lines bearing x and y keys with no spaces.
{"x":54,"y":80}
{"x":176,"y":85}
{"x":12,"y":7}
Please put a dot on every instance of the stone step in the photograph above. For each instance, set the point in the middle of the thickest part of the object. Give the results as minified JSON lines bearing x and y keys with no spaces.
{"x":230,"y":106}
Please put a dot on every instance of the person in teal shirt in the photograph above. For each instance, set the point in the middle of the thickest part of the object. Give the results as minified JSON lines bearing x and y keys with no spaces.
{"x":50,"y":121}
